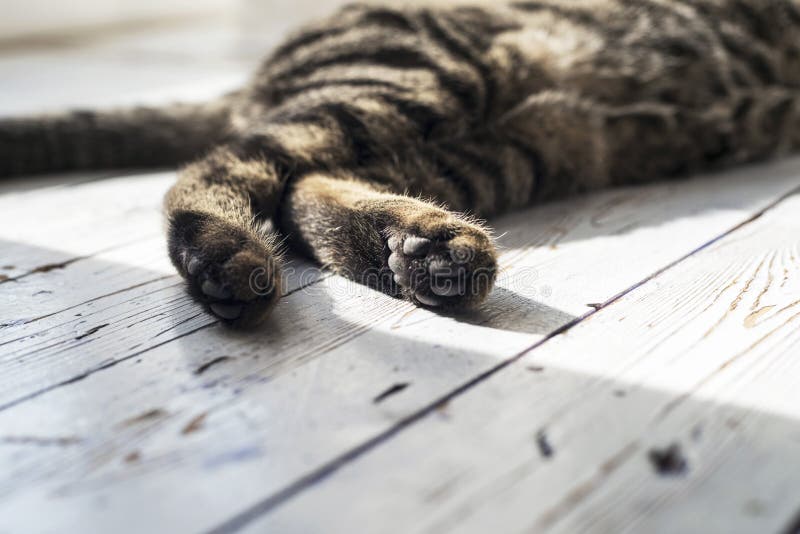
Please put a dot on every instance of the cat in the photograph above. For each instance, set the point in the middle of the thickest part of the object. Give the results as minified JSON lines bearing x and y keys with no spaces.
{"x":367,"y":138}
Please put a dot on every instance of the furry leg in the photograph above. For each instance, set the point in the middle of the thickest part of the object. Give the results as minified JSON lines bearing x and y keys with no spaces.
{"x":397,"y":244}
{"x":229,"y":260}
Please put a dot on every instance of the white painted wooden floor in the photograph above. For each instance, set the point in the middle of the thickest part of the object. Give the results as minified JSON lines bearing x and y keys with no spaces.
{"x":637,"y":368}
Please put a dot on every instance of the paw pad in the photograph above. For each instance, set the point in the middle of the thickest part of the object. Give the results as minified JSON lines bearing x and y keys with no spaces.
{"x":440,"y":273}
{"x":226,"y":285}
{"x":229,"y":269}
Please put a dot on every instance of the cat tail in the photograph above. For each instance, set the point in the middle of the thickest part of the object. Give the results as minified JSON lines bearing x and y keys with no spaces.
{"x":134,"y":137}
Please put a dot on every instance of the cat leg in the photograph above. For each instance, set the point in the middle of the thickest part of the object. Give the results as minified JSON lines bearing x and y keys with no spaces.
{"x":753,"y":125}
{"x":582,"y":144}
{"x":319,"y":108}
{"x":400,"y":245}
{"x":229,"y":260}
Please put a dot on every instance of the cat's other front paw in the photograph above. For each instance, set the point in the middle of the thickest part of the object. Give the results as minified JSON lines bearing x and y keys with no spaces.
{"x":230,"y":270}
{"x":450,"y":265}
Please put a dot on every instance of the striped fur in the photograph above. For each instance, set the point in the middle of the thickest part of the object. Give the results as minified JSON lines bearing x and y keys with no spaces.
{"x":365,"y":137}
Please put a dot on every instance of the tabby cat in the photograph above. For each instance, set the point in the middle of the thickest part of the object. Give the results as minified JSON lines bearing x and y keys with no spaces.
{"x":367,"y":137}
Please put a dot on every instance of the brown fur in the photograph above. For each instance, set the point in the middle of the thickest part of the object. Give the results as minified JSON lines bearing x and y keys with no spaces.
{"x":364,"y":138}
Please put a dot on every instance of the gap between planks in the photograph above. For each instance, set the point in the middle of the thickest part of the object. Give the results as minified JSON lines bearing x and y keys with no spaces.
{"x":82,"y":376}
{"x":628,"y":281}
{"x":571,"y":323}
{"x":211,"y":322}
{"x":244,"y":518}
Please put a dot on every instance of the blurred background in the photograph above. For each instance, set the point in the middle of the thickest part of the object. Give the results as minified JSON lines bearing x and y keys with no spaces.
{"x":99,"y":53}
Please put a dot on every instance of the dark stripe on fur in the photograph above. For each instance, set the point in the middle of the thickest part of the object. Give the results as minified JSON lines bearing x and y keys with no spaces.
{"x":381,"y":18}
{"x":535,"y":163}
{"x":363,"y":146}
{"x":460,"y":50}
{"x":386,"y":18}
{"x":305,"y":39}
{"x":451,"y":169}
{"x":422,"y":115}
{"x":265,"y":147}
{"x":484,"y":165}
{"x":389,"y":55}
{"x":758,"y":65}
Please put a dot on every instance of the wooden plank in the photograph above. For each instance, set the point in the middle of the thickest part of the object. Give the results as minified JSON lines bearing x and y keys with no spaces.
{"x":109,"y":269}
{"x":575,"y":436}
{"x":129,"y":301}
{"x":47,"y":289}
{"x":200,"y":443}
{"x":42,"y":229}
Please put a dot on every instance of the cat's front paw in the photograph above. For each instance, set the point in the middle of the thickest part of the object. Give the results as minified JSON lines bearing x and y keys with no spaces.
{"x":231,"y":270}
{"x":451,"y":265}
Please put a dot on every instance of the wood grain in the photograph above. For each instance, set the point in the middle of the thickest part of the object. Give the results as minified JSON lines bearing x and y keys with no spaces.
{"x":702,"y":358}
{"x":282,"y":404}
